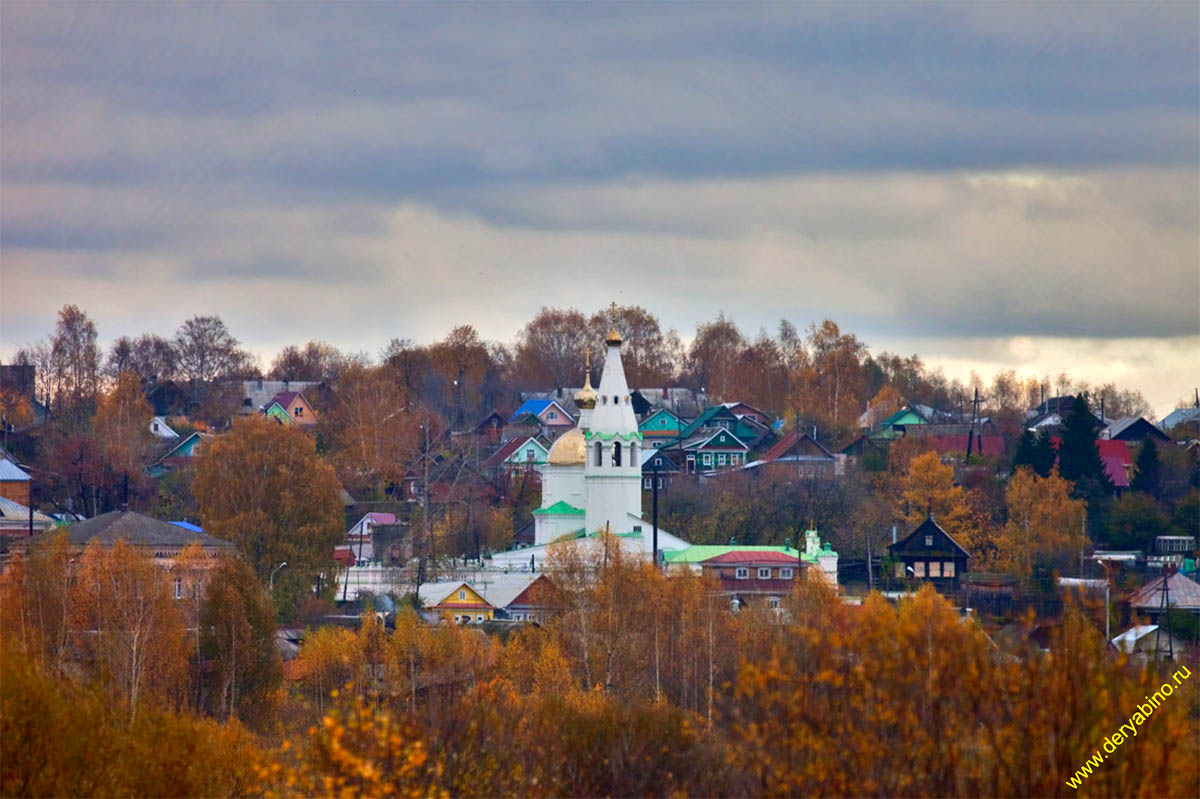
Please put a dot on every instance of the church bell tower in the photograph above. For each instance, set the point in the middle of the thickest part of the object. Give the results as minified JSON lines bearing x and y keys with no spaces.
{"x":613,"y":473}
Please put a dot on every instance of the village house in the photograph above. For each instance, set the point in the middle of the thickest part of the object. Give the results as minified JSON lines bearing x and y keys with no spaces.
{"x":291,"y":406}
{"x":802,"y":455}
{"x":456,"y":601}
{"x":181,"y":454}
{"x":14,"y":482}
{"x":517,"y":596}
{"x":555,"y":418}
{"x":929,"y":554}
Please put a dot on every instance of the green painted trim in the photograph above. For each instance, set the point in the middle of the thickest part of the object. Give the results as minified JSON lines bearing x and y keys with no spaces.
{"x":560,"y":508}
{"x":589,"y":435}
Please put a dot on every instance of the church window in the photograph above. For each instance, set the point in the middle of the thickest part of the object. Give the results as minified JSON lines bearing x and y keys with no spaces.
{"x":617,"y":453}
{"x":604,"y":400}
{"x":633,"y":453}
{"x":599,"y":454}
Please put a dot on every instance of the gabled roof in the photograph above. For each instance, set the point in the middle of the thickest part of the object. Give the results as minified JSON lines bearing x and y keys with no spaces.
{"x":927,"y":527}
{"x":701,"y":441}
{"x":1183,"y":592}
{"x":13,"y":511}
{"x":752,"y":557}
{"x":703,"y":552}
{"x":713,"y":412}
{"x":537,"y":407}
{"x":562,"y":508}
{"x":284,"y":398}
{"x":182,"y":443}
{"x":510,"y":447}
{"x":792,"y":439}
{"x":1131,"y":424}
{"x":501,"y":589}
{"x":9,"y":471}
{"x":1180,"y":416}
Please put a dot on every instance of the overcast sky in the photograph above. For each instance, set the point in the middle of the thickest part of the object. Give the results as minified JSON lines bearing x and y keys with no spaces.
{"x":991,"y":185}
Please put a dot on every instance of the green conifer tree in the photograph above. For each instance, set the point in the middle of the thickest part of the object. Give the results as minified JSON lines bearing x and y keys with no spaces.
{"x":1146,"y":469}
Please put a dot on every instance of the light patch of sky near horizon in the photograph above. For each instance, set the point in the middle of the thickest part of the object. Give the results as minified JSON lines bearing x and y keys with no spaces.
{"x":883,"y":255}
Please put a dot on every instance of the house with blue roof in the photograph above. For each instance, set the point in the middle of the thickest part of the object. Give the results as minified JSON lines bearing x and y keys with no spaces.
{"x":550,"y":413}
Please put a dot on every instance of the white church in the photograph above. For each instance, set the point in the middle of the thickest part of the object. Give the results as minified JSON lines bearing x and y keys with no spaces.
{"x":592,"y":480}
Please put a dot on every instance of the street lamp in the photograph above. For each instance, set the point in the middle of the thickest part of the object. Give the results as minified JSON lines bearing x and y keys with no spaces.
{"x":271,"y":579}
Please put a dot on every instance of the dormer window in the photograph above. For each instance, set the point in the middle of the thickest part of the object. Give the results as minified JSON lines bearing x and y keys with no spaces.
{"x":551,"y":415}
{"x":928,"y":540}
{"x":299,"y":411}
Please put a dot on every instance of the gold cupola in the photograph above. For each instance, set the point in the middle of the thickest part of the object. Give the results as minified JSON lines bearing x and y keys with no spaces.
{"x":585,"y":398}
{"x":613,"y":338}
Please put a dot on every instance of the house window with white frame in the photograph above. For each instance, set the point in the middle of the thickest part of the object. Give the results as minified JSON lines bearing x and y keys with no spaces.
{"x":551,"y":415}
{"x":928,"y":540}
{"x":764,"y":574}
{"x":720,"y":458}
{"x":786,"y":574}
{"x":646,"y":483}
{"x":179,"y":588}
{"x":742,"y":573}
{"x":462,"y":595}
{"x":773,"y":602}
{"x":708,"y":459}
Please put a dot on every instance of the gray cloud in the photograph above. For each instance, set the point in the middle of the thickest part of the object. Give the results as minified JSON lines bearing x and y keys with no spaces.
{"x":953,"y":173}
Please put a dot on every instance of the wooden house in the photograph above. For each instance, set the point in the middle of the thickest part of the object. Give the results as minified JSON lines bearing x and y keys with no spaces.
{"x":660,"y":424}
{"x":929,"y":554}
{"x":291,"y":406}
{"x":551,"y":413}
{"x":457,"y":602}
{"x":14,"y":482}
{"x":719,"y":449}
{"x":181,"y":454}
{"x":802,"y":455}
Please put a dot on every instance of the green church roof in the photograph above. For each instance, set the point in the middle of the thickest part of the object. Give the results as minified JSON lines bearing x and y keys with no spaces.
{"x":560,"y":508}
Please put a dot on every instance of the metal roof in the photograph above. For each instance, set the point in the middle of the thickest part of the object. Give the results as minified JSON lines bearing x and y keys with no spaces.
{"x":10,"y":471}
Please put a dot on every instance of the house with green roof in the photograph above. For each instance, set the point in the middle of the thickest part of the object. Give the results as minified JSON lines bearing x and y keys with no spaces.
{"x":661,"y":424}
{"x":821,"y":558}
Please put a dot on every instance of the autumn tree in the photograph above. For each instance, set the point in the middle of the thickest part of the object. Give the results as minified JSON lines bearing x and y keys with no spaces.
{"x":15,"y":409}
{"x":75,"y":362}
{"x":121,"y":427}
{"x":1134,"y":520}
{"x":207,"y":352}
{"x":371,"y":428}
{"x":832,"y":385}
{"x":461,"y":362}
{"x":237,"y":624}
{"x":1045,"y":525}
{"x":315,"y":361}
{"x":152,"y":358}
{"x":35,"y":602}
{"x":550,"y":348}
{"x":135,"y":631}
{"x":713,"y":356}
{"x":651,"y":357}
{"x":264,"y":487}
{"x":928,"y":490}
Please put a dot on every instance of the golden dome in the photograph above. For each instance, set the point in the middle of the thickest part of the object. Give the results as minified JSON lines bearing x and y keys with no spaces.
{"x":585,"y":398}
{"x":569,"y":450}
{"x":613,"y":336}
